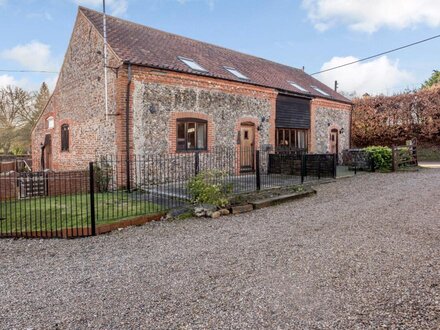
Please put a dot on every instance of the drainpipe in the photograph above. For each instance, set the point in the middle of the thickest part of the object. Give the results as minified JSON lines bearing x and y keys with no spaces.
{"x":127,"y":129}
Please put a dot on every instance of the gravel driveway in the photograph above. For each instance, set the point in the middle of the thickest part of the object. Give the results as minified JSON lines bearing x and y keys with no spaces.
{"x":363,"y":253}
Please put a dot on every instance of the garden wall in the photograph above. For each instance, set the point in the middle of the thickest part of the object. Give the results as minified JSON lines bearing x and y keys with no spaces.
{"x":8,"y":187}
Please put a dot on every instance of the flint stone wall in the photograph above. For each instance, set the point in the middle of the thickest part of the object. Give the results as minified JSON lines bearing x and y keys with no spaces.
{"x":154,"y":103}
{"x":334,"y":117}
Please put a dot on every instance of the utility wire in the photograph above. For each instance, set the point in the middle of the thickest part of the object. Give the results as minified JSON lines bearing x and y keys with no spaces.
{"x":28,"y":71}
{"x":312,"y":74}
{"x":377,"y":55}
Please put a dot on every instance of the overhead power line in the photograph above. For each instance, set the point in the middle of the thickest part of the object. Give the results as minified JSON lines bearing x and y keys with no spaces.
{"x":377,"y":55}
{"x":28,"y":71}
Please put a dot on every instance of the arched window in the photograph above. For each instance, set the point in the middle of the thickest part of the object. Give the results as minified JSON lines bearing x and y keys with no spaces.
{"x":65,"y":137}
{"x":50,"y":122}
{"x":191,"y":134}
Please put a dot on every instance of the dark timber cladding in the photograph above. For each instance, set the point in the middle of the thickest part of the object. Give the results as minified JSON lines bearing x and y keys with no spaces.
{"x":292,"y":112}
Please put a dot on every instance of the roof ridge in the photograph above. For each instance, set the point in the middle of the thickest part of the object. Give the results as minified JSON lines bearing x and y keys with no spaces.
{"x":187,"y":38}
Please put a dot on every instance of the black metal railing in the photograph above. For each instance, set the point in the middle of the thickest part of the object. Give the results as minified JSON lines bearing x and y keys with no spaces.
{"x":45,"y":204}
{"x":79,"y":203}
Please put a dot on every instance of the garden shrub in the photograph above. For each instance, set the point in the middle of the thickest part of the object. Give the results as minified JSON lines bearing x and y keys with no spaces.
{"x":103,"y":176}
{"x":208,"y":187}
{"x":381,"y":156}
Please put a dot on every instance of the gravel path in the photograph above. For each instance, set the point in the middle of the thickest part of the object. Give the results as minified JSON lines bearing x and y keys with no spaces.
{"x":363,"y":253}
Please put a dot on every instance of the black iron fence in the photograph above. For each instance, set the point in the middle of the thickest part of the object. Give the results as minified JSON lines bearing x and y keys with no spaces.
{"x":357,"y":159}
{"x":45,"y":204}
{"x":82,"y":203}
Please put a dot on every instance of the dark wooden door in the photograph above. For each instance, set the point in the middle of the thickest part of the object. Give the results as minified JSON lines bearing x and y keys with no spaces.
{"x":48,"y":152}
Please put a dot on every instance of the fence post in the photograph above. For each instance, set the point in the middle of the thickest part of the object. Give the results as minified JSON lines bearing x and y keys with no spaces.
{"x":319,"y":167}
{"x":92,"y":199}
{"x":303,"y":167}
{"x":128,"y":174}
{"x":196,"y":163}
{"x":393,"y":159}
{"x":257,"y":169}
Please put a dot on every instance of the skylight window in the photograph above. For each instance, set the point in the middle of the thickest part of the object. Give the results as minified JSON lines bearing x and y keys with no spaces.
{"x":236,"y":73}
{"x":302,"y":89}
{"x":319,"y":90}
{"x":192,"y":64}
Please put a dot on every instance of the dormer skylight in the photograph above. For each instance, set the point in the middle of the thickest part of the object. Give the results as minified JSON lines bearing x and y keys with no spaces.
{"x":236,"y":73}
{"x":319,"y":90}
{"x":192,"y":64}
{"x":294,"y":84}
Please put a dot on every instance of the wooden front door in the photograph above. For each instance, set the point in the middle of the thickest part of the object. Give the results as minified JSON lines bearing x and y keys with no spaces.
{"x":247,"y":143}
{"x":333,"y":141}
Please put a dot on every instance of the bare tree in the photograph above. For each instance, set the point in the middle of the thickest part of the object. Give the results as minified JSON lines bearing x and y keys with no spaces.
{"x":17,"y":110}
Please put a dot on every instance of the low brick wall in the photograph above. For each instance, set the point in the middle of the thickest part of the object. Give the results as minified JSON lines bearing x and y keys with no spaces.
{"x":316,"y":165}
{"x":8,"y":187}
{"x":67,"y":183}
{"x":7,"y":167}
{"x":13,"y":186}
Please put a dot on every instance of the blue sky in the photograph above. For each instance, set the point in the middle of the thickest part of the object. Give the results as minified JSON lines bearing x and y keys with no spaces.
{"x":315,"y":34}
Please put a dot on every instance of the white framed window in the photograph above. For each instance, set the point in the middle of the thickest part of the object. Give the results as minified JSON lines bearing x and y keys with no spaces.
{"x":192,"y":64}
{"x":50,"y":122}
{"x":297,"y":86}
{"x":319,"y":90}
{"x":236,"y":73}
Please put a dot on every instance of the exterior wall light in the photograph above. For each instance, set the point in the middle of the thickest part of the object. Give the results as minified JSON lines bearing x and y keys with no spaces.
{"x":152,"y":109}
{"x":341,"y":131}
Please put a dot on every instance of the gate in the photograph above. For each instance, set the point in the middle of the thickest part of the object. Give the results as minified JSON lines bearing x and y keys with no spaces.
{"x":32,"y":184}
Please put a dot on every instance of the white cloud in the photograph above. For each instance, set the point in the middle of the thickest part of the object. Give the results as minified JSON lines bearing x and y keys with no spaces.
{"x":374,"y":77}
{"x":33,"y":56}
{"x":117,"y":7}
{"x":6,"y":80}
{"x":28,"y":83}
{"x":369,"y":16}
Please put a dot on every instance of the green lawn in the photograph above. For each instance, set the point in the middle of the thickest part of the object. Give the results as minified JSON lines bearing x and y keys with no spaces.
{"x":70,"y":211}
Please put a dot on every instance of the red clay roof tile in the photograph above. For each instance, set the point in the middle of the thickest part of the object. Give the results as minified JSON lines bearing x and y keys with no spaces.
{"x":143,"y":45}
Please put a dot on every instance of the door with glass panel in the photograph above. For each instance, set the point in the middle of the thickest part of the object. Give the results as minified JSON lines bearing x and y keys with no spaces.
{"x":247,"y":144}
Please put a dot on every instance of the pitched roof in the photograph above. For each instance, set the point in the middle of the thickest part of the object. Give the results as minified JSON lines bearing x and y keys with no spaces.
{"x":143,"y":45}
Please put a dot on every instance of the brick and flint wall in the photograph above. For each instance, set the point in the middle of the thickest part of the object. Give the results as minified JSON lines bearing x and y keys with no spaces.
{"x":157,"y":99}
{"x":78,"y":100}
{"x":162,"y":97}
{"x":325,"y":116}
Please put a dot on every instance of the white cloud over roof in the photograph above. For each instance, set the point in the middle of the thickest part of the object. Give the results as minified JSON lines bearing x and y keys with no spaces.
{"x":369,"y":16}
{"x":373,"y":77}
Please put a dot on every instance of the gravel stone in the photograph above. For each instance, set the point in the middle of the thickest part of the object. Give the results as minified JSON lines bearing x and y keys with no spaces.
{"x":364,"y":253}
